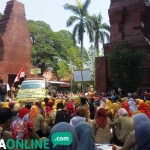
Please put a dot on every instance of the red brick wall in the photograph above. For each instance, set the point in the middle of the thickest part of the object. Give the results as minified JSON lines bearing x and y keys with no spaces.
{"x":126,"y":17}
{"x":16,"y":40}
{"x":101,"y":75}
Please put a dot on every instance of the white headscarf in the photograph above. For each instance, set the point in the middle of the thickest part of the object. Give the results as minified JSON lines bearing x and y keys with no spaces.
{"x":122,"y":112}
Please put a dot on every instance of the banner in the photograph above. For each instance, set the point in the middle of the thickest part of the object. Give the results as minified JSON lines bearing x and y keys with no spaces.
{"x":35,"y":71}
{"x":31,"y":93}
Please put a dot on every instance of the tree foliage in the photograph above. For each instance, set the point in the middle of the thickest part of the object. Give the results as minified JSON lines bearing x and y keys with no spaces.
{"x":53,"y":49}
{"x":81,"y":16}
{"x":1,"y":15}
{"x":101,"y":31}
{"x":73,"y":62}
{"x":92,"y":53}
{"x":126,"y":66}
{"x":44,"y":53}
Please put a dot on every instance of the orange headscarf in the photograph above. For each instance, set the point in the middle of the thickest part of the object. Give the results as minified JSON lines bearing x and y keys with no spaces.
{"x":125,"y":105}
{"x":143,"y":107}
{"x":34,"y":113}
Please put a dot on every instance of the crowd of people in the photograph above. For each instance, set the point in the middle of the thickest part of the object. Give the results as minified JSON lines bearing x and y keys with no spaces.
{"x":119,"y":120}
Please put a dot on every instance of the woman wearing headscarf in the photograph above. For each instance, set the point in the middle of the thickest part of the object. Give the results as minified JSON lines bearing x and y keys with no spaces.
{"x":37,"y":119}
{"x":85,"y":136}
{"x":52,"y":115}
{"x":109,"y":109}
{"x":79,"y":118}
{"x":115,"y":108}
{"x":143,"y":107}
{"x":138,"y":101}
{"x":109,"y":104}
{"x":132,"y":105}
{"x":43,"y":105}
{"x":123,"y":99}
{"x":122,"y":126}
{"x":22,"y":128}
{"x":142,"y":136}
{"x":101,"y":127}
{"x":64,"y":127}
{"x":70,"y":108}
{"x":125,"y":105}
{"x":102,"y":105}
{"x":49,"y":108}
{"x":130,"y":141}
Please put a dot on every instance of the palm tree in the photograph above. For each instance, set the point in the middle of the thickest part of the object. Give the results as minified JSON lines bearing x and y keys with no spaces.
{"x":1,"y":15}
{"x":81,"y":16}
{"x":101,"y":31}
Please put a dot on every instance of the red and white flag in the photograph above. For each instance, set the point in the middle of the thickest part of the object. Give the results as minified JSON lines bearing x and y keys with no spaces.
{"x":21,"y":74}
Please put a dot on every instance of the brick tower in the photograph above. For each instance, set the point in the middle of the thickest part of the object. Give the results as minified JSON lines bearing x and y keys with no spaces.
{"x":15,"y":43}
{"x":129,"y":20}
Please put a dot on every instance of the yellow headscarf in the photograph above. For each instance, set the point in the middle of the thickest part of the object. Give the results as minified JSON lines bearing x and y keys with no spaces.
{"x":115,"y":107}
{"x":43,"y":105}
{"x":77,"y":101}
{"x":148,"y":103}
{"x":6,"y":105}
{"x":108,"y":104}
{"x":123,"y":99}
{"x":34,"y":112}
{"x":50,"y":101}
{"x":56,"y":102}
{"x":138,"y":101}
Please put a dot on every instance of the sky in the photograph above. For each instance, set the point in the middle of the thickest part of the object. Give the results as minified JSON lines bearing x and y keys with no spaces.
{"x":53,"y":13}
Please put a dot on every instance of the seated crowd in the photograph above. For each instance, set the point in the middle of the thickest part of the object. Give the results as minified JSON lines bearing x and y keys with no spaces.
{"x":122,"y":122}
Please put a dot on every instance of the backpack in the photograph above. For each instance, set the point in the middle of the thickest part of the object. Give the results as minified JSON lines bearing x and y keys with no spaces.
{"x":62,"y":116}
{"x":3,"y":89}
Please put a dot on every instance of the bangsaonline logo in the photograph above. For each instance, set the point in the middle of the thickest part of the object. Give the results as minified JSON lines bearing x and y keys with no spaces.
{"x":59,"y":138}
{"x":23,"y":144}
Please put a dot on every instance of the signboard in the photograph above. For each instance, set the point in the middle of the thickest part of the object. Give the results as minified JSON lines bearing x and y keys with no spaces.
{"x":82,"y":75}
{"x":35,"y":71}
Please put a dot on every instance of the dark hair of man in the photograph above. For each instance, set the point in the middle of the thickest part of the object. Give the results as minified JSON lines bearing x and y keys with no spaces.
{"x":28,"y":106}
{"x":46,"y":100}
{"x":60,"y":106}
{"x":5,"y":114}
{"x":83,"y":100}
{"x":54,"y":95}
